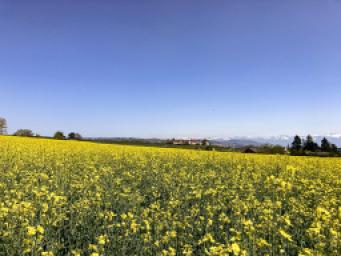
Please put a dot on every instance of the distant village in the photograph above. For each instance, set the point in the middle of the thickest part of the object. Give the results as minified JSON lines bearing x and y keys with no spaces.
{"x":203,"y":142}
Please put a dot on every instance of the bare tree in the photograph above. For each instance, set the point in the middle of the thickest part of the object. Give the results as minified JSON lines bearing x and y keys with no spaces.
{"x":3,"y":126}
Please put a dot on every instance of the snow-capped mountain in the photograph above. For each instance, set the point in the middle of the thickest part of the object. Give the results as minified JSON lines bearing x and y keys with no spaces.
{"x":282,"y":140}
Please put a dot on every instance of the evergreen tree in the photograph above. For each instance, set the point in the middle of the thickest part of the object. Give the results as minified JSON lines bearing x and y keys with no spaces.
{"x":310,"y":145}
{"x":296,"y":145}
{"x":325,"y":145}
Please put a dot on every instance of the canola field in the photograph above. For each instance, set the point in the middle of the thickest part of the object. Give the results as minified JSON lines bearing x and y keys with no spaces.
{"x":80,"y":198}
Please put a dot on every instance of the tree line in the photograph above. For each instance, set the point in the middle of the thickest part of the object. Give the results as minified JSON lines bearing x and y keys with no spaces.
{"x":58,"y":135}
{"x":308,"y":146}
{"x":29,"y":133}
{"x":299,"y":146}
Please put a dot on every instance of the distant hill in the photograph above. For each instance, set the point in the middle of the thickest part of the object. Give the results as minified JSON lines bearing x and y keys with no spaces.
{"x":282,"y":140}
{"x":235,"y":143}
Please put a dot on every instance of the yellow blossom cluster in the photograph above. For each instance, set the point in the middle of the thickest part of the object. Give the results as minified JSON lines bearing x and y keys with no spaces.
{"x":79,"y":198}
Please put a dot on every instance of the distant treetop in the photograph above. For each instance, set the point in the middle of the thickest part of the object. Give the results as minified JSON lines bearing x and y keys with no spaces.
{"x":59,"y":135}
{"x":3,"y":126}
{"x":24,"y":133}
{"x":74,"y":136}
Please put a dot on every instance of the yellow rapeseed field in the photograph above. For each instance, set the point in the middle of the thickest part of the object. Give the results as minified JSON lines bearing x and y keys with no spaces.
{"x":81,"y":198}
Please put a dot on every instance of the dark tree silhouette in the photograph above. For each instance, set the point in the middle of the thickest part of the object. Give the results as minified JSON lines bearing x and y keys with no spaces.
{"x":325,"y":145}
{"x":74,"y":136}
{"x":296,"y":145}
{"x":334,"y":149}
{"x":310,"y":145}
{"x":24,"y":133}
{"x":59,"y":135}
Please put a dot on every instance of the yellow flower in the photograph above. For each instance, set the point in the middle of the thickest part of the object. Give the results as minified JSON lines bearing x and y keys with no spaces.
{"x":75,"y":253}
{"x":45,"y":207}
{"x":247,"y":222}
{"x":285,"y":235}
{"x":207,"y":238}
{"x":187,"y":250}
{"x":40,"y":229}
{"x":235,"y":248}
{"x":306,"y":252}
{"x":47,"y":254}
{"x":31,"y":231}
{"x":93,"y":247}
{"x":101,"y":240}
{"x":262,"y":243}
{"x":172,"y":234}
{"x":164,"y":201}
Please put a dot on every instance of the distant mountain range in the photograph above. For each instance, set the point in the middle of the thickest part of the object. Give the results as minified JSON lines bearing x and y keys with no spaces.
{"x":234,"y":142}
{"x":282,"y":140}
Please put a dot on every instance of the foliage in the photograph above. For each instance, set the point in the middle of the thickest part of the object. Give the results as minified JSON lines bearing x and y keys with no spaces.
{"x":24,"y":133}
{"x":3,"y":125}
{"x":310,"y":145}
{"x":296,"y":146}
{"x":271,"y":149}
{"x":74,"y":136}
{"x":325,"y":145}
{"x":79,"y":198}
{"x":59,"y":135}
{"x":311,"y":148}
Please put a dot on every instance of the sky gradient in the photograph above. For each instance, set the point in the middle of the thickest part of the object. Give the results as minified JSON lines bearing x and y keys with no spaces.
{"x":171,"y":68}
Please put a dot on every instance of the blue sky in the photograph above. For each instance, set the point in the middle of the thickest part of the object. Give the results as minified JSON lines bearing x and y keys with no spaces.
{"x":171,"y":68}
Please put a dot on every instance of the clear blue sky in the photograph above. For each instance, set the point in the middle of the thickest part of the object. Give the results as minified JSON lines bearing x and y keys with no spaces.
{"x":171,"y":68}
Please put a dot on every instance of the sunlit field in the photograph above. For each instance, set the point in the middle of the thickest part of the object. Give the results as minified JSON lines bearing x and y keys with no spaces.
{"x":80,"y":198}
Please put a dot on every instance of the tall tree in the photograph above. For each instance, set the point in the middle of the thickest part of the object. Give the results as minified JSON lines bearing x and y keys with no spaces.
{"x":59,"y":135}
{"x":3,"y":126}
{"x":325,"y":145}
{"x":296,"y":145}
{"x":310,"y":144}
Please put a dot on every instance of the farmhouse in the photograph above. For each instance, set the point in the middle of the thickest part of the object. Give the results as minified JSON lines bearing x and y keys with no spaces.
{"x":250,"y":150}
{"x":189,"y":142}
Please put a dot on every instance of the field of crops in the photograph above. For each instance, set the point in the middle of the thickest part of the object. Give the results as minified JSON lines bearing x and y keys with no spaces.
{"x":79,"y":198}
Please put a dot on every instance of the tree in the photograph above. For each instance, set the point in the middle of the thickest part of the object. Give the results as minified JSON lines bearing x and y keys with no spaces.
{"x":296,"y":145}
{"x":310,"y":145}
{"x":278,"y":149}
{"x":74,"y":136}
{"x":271,"y":149}
{"x":334,"y":149}
{"x":59,"y":135}
{"x":3,"y":126}
{"x":24,"y":133}
{"x":325,"y":145}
